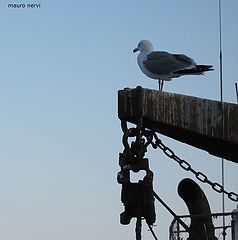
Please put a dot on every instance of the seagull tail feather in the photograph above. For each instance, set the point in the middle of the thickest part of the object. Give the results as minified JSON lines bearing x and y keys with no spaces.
{"x":198,"y":69}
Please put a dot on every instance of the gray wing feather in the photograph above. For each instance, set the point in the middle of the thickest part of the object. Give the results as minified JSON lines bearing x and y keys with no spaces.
{"x":184,"y":58}
{"x":160,"y":62}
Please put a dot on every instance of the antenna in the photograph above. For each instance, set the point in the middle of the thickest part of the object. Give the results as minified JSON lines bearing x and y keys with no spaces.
{"x":220,"y":43}
{"x":236,"y":92}
{"x":221,"y":99}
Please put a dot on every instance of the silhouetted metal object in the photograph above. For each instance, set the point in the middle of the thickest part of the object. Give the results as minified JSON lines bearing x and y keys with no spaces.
{"x":205,"y":124}
{"x":138,"y":201}
{"x":137,"y":197}
{"x":197,"y":204}
{"x":234,"y":224}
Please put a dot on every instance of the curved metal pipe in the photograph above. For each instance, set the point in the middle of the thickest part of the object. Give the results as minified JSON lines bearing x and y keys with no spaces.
{"x":197,"y":204}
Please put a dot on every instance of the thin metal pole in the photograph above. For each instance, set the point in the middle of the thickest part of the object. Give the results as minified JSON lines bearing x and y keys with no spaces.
{"x":220,"y":43}
{"x":236,"y":92}
{"x":209,"y":215}
{"x":221,"y":99}
{"x":152,"y":232}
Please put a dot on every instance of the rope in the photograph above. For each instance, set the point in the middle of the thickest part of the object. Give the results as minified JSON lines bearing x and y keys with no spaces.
{"x":152,"y":232}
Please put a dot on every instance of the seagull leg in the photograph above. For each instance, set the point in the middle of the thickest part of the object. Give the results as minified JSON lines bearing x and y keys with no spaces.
{"x":161,"y":84}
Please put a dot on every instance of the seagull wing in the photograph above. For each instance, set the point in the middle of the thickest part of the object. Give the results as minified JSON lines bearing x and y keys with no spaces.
{"x":160,"y":62}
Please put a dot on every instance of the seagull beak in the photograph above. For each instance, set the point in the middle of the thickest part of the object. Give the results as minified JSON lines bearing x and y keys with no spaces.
{"x":135,"y":50}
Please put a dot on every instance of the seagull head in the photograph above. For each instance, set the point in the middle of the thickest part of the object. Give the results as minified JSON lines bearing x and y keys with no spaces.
{"x":144,"y":46}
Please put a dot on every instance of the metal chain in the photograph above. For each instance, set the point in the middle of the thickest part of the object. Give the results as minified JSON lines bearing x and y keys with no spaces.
{"x":150,"y":135}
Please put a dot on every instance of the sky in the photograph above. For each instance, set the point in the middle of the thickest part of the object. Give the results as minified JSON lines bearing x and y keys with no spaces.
{"x":61,"y":67}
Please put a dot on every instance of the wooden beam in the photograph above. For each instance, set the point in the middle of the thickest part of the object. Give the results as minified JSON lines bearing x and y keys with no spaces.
{"x":206,"y":124}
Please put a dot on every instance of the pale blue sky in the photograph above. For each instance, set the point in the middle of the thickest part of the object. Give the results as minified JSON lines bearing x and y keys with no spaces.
{"x":61,"y":68}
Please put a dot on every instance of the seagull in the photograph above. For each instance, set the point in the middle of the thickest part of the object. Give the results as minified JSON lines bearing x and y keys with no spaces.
{"x":163,"y":66}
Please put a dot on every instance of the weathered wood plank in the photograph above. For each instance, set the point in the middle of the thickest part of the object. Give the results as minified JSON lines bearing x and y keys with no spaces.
{"x":206,"y":124}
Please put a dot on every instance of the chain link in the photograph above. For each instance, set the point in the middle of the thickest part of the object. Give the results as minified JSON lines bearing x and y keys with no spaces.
{"x":157,"y":143}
